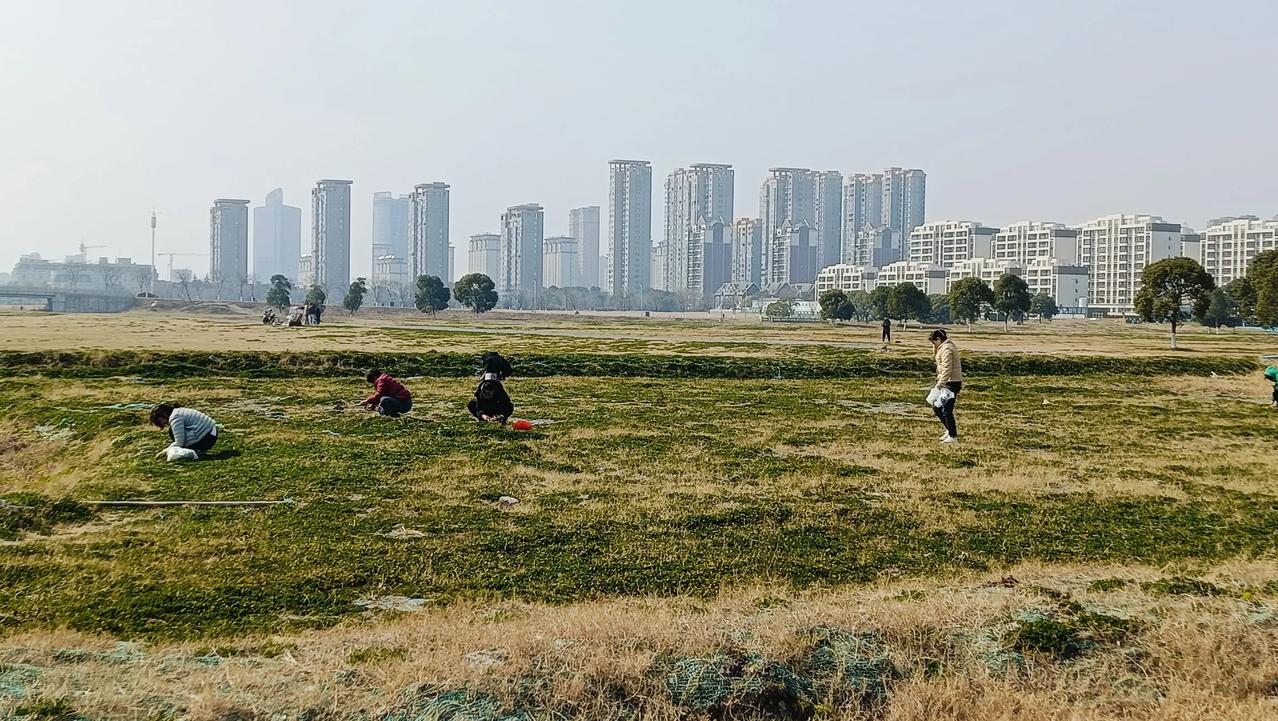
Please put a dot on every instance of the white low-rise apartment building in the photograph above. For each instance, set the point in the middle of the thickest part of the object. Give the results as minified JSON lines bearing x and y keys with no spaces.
{"x":1227,"y":247}
{"x":1067,"y":283}
{"x":847,"y":278}
{"x":927,"y":277}
{"x":987,"y":269}
{"x":948,"y":242}
{"x":1030,"y":240}
{"x":1116,"y":249}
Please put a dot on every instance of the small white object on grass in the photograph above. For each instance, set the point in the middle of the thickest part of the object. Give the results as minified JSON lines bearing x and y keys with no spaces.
{"x":400,"y":532}
{"x":392,"y":603}
{"x":507,"y":501}
{"x":175,"y":453}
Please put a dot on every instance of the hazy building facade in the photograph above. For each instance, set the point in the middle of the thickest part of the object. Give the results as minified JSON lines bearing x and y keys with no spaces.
{"x":828,"y":196}
{"x":331,"y":236}
{"x":629,"y":226}
{"x":77,"y":273}
{"x":747,"y":251}
{"x":709,"y":260}
{"x":391,"y":228}
{"x":862,"y":209}
{"x":521,"y":249}
{"x":306,"y":271}
{"x":485,"y":255}
{"x":659,"y":268}
{"x":1116,"y":249}
{"x":428,"y":229}
{"x":559,"y":262}
{"x":1031,"y":240}
{"x":699,"y":193}
{"x":792,"y":256}
{"x":787,"y":196}
{"x":277,"y":238}
{"x":904,"y":199}
{"x":877,"y":246}
{"x":949,"y":242}
{"x":583,"y":224}
{"x":1228,"y":246}
{"x":392,"y":285}
{"x":228,"y":240}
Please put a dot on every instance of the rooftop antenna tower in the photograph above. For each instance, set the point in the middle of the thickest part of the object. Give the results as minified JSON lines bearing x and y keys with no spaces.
{"x":153,"y":270}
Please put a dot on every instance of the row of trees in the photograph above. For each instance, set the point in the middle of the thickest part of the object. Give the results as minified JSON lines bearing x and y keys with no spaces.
{"x":474,"y":291}
{"x":970,"y":300}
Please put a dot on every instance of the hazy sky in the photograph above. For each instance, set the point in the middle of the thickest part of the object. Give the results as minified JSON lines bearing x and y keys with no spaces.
{"x":1019,"y":109}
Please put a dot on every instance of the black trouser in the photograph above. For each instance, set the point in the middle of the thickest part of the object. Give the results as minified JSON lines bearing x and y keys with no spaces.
{"x":946,"y":412}
{"x":201,"y":445}
{"x":479,"y":413}
{"x":887,"y":335}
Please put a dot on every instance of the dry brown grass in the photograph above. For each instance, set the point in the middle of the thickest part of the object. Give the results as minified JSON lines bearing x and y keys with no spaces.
{"x":178,"y":330}
{"x":1197,"y":658}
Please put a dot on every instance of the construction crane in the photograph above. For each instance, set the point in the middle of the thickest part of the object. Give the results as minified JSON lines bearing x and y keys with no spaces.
{"x":201,"y":255}
{"x":84,"y":251}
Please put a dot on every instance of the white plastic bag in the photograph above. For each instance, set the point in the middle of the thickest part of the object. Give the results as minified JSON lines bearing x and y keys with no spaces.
{"x":938,"y":397}
{"x":175,"y":453}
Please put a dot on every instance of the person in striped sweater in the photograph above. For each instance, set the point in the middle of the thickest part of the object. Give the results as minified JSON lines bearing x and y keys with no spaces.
{"x":187,"y":427}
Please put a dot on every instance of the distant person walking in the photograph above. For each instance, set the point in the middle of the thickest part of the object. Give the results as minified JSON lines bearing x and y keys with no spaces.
{"x":949,"y":374}
{"x":1271,"y":374}
{"x":187,"y":427}
{"x":887,"y":330}
{"x":390,"y":398}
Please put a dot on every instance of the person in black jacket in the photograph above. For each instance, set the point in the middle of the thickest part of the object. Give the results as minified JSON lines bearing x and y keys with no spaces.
{"x":491,"y":402}
{"x":496,"y":365}
{"x":887,"y":331}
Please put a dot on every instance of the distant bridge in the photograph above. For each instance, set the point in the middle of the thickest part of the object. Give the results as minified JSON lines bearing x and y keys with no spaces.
{"x":59,"y":300}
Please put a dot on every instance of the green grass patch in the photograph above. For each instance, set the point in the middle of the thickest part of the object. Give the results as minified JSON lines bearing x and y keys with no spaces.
{"x":1182,"y":586}
{"x":34,"y":513}
{"x":818,"y":365}
{"x":643,"y":486}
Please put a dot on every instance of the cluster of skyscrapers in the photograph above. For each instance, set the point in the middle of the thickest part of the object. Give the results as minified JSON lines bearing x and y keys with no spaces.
{"x":808,"y":220}
{"x":816,"y":229}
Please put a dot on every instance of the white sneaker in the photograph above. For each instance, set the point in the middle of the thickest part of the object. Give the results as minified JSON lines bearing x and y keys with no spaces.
{"x":945,"y":435}
{"x":949,"y":439}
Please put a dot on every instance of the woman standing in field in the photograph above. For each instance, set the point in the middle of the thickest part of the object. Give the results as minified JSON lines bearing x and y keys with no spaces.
{"x":949,"y":375}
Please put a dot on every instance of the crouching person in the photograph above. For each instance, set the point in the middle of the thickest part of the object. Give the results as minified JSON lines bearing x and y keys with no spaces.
{"x":390,"y":398}
{"x":491,"y":403}
{"x":189,"y":428}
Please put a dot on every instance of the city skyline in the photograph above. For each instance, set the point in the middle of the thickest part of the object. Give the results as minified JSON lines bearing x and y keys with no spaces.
{"x":963,"y":119}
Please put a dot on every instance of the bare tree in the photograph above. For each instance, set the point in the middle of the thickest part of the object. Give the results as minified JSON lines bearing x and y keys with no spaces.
{"x":383,"y":291}
{"x":184,"y":281}
{"x":74,"y":274}
{"x":111,"y":277}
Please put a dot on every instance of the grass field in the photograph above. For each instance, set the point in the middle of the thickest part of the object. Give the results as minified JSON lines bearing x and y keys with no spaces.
{"x":1104,"y":542}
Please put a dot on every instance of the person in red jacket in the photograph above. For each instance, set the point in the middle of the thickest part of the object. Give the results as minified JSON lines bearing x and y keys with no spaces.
{"x":390,"y":398}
